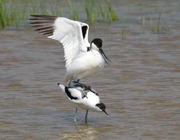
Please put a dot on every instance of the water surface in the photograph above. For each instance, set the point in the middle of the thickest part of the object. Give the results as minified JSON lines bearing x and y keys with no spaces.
{"x":141,"y":87}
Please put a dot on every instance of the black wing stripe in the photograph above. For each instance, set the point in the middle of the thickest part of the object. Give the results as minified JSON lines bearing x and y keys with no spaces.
{"x":69,"y":94}
{"x":43,"y":17}
{"x":44,"y":28}
{"x":84,"y":29}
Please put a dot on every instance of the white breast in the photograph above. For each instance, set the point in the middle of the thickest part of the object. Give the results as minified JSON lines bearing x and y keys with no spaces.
{"x":82,"y":67}
{"x":89,"y":102}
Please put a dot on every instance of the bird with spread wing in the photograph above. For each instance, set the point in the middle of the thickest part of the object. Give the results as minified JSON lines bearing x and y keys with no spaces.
{"x":82,"y":58}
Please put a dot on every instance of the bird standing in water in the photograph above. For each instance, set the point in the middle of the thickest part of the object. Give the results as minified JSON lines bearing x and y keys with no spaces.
{"x":84,"y":97}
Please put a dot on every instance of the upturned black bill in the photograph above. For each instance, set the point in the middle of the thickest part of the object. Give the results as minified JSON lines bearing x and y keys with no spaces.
{"x":106,"y":59}
{"x":105,"y":112}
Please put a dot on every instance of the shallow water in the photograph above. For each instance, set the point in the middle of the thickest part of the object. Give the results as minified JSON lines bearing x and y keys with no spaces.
{"x":141,"y":87}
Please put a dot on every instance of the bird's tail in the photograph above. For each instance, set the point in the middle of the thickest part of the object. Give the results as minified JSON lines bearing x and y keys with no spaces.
{"x":62,"y":87}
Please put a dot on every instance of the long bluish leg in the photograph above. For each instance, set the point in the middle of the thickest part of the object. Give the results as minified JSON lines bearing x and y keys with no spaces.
{"x":86,"y":116}
{"x":69,"y":85}
{"x":77,"y":82}
{"x":75,"y":115}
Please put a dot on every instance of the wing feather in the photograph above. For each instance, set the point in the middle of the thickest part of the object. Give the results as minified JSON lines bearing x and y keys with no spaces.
{"x":85,"y":31}
{"x":72,"y":34}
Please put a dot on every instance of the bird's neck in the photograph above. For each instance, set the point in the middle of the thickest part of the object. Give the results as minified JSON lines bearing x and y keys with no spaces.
{"x":96,"y":53}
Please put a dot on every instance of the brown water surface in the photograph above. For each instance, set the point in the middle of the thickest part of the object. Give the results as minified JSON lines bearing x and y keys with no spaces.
{"x":141,"y":87}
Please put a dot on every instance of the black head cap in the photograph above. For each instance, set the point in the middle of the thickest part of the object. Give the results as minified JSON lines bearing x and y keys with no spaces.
{"x":97,"y":42}
{"x":102,"y":107}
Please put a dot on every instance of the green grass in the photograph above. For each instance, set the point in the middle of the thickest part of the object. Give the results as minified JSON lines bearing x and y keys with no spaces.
{"x":56,"y":9}
{"x":74,"y":10}
{"x":111,"y":15}
{"x":13,"y":12}
{"x":32,"y":7}
{"x":4,"y":18}
{"x":101,"y":11}
{"x":160,"y":28}
{"x":43,"y":8}
{"x":89,"y":7}
{"x":106,"y":12}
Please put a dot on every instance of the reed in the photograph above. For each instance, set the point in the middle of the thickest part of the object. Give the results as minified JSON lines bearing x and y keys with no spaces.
{"x":56,"y":9}
{"x":32,"y":7}
{"x":166,"y":28}
{"x":160,"y":28}
{"x":89,"y":7}
{"x":13,"y":12}
{"x":74,"y":10}
{"x":101,"y":11}
{"x":111,"y":15}
{"x":106,"y":12}
{"x":4,"y":18}
{"x":43,"y":8}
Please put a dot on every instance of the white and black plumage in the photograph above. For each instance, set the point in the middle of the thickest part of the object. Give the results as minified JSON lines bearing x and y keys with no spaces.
{"x":90,"y":101}
{"x":82,"y":58}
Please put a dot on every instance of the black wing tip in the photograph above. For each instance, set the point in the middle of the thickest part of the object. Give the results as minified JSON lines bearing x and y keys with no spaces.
{"x":42,"y":16}
{"x":43,"y":24}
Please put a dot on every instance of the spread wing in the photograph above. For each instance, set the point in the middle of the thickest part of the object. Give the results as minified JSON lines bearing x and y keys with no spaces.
{"x":72,"y":34}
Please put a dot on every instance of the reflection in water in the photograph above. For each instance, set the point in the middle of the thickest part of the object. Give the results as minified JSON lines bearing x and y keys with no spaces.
{"x":83,"y":131}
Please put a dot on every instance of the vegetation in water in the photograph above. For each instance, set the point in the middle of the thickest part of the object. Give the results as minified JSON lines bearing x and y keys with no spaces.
{"x":13,"y":12}
{"x":159,"y":28}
